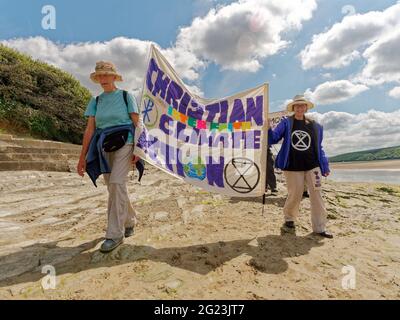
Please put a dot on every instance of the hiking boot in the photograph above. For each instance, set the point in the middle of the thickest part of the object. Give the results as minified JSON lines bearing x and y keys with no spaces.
{"x":129,"y":231}
{"x":290,"y":224}
{"x":110,"y":244}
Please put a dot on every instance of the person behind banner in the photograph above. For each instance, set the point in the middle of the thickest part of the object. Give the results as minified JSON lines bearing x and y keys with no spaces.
{"x":271,"y":178}
{"x":302,"y":160}
{"x":305,"y":192}
{"x":112,"y":116}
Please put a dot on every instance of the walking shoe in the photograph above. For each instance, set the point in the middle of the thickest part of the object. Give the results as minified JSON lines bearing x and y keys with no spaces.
{"x":290,"y":224}
{"x":274,"y":192}
{"x":129,"y":231}
{"x":110,"y":244}
{"x":325,"y":234}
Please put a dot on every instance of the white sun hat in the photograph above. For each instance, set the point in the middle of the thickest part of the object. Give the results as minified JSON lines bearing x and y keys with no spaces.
{"x":299,"y":99}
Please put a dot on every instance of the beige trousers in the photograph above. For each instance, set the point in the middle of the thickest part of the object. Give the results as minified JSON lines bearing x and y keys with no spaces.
{"x":120,"y":211}
{"x":295,"y":185}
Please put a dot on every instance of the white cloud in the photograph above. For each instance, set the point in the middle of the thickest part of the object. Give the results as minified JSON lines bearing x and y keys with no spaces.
{"x":395,"y":93}
{"x":327,"y":75}
{"x":345,"y":132}
{"x":345,"y":40}
{"x":79,"y":59}
{"x":236,"y":36}
{"x":129,"y":56}
{"x":334,"y":92}
{"x":239,"y":35}
{"x":383,"y":60}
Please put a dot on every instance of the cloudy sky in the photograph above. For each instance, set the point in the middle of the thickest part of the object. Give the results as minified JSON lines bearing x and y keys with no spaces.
{"x":344,"y":55}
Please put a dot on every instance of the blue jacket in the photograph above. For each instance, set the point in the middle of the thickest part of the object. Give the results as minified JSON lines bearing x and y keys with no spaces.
{"x":96,"y":163}
{"x":284,"y":130}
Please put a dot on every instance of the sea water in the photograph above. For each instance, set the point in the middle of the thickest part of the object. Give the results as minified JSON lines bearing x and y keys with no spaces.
{"x":391,"y":176}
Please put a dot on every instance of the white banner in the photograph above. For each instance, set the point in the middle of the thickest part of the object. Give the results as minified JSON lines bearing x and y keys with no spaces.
{"x":216,"y":144}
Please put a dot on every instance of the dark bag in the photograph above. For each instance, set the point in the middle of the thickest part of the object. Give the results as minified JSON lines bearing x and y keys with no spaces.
{"x":115,"y":141}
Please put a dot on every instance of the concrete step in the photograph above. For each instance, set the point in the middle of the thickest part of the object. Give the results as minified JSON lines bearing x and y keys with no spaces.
{"x":42,"y":144}
{"x":4,"y":136}
{"x":50,"y":157}
{"x":36,"y":150}
{"x":34,"y":165}
{"x":41,"y":155}
{"x":25,"y":142}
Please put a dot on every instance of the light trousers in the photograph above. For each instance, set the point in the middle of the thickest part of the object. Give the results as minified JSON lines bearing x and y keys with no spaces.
{"x":295,"y":185}
{"x":120,"y":212}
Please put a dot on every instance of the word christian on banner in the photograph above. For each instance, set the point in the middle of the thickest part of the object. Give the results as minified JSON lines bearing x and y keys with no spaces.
{"x":216,"y":144}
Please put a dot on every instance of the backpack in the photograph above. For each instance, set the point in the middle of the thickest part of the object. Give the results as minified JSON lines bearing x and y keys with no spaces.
{"x":124,"y":94}
{"x":116,"y":140}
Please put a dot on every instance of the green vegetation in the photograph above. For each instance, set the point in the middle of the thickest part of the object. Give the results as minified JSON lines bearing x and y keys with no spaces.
{"x":369,"y":155}
{"x":389,"y":190}
{"x":39,"y":99}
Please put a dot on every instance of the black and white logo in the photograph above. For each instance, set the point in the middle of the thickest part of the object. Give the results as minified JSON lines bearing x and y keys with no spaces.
{"x":242,"y":175}
{"x":301,"y":140}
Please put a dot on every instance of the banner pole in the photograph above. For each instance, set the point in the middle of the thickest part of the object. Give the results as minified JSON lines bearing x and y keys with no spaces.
{"x":266,"y":110}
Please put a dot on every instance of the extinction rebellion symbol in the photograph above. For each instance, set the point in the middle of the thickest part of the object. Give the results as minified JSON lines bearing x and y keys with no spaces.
{"x":242,"y":175}
{"x":301,"y":140}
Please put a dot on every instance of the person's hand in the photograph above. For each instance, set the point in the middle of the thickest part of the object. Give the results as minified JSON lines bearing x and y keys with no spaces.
{"x":327,"y":174}
{"x":135,"y":159}
{"x":81,"y":167}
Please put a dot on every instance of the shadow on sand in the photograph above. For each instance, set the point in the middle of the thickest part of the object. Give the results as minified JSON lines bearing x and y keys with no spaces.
{"x":267,"y":255}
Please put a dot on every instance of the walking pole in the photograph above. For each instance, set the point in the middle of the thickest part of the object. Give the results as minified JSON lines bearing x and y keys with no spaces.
{"x":262,"y":212}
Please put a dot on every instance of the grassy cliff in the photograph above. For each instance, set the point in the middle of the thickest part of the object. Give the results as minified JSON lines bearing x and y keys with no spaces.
{"x":40,"y":100}
{"x":369,"y":155}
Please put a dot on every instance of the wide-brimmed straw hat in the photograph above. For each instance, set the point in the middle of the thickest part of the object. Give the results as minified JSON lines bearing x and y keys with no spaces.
{"x":105,"y":67}
{"x":299,"y":99}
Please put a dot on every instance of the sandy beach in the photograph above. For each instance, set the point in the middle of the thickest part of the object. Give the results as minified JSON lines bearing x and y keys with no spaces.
{"x":190,"y":244}
{"x":383,"y":164}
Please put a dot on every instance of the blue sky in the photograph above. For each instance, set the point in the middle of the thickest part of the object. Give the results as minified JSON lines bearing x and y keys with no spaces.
{"x":161,"y":22}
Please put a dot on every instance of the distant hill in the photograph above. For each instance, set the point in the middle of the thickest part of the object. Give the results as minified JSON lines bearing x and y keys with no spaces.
{"x":40,"y":100}
{"x":369,"y":155}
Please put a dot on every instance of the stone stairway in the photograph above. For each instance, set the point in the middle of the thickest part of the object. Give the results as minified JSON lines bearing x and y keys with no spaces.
{"x":42,"y":155}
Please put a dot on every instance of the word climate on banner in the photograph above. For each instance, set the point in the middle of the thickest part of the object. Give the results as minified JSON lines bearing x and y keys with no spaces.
{"x":216,"y":144}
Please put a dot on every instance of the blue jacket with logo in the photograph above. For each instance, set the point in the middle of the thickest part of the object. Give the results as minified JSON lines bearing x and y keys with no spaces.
{"x":284,"y":130}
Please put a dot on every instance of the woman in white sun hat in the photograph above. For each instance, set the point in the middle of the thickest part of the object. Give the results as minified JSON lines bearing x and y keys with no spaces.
{"x":107,"y":149}
{"x":302,"y":160}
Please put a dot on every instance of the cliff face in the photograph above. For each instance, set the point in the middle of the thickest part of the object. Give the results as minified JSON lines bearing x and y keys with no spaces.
{"x":40,"y":100}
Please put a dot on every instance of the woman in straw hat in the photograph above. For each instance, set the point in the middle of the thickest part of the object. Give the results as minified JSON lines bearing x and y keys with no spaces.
{"x":112,"y":116}
{"x":302,"y":160}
